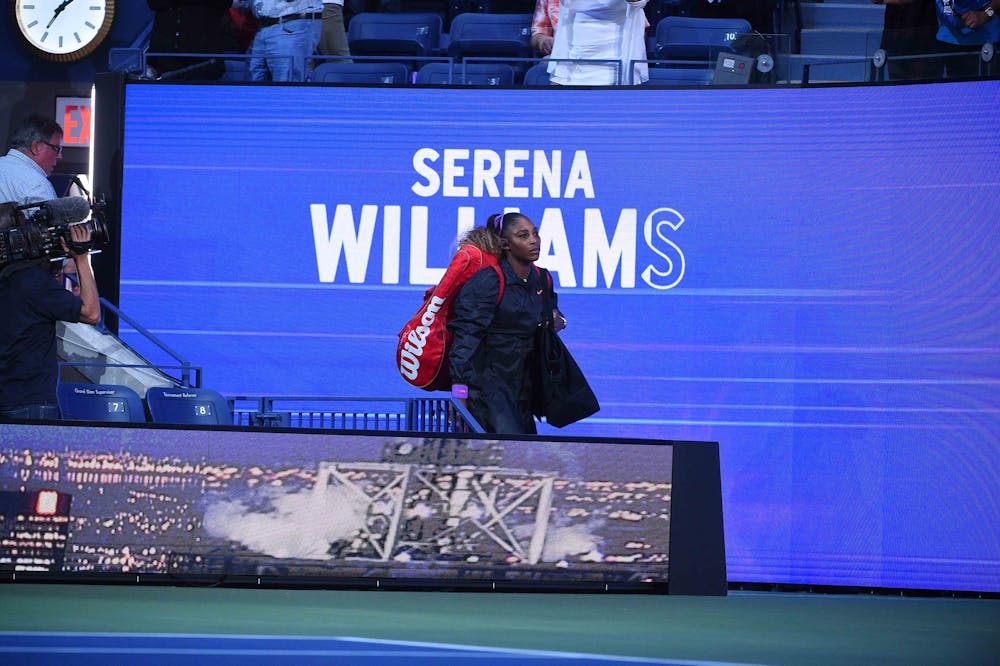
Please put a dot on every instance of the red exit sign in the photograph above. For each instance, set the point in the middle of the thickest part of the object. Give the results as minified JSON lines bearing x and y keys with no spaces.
{"x":73,"y":113}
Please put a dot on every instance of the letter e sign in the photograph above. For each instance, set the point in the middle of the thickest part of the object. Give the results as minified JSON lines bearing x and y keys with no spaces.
{"x":73,"y":113}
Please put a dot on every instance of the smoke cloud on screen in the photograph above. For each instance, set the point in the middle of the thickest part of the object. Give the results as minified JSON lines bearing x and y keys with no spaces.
{"x":290,"y":525}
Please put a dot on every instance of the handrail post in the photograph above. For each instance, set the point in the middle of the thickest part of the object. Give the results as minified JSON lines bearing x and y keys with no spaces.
{"x":411,"y":413}
{"x":184,"y":363}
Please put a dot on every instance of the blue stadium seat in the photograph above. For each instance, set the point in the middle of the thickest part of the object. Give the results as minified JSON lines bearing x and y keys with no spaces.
{"x":490,"y":35}
{"x":100,"y":402}
{"x":537,"y":75}
{"x":696,"y":39}
{"x":192,"y":406}
{"x":388,"y":73}
{"x":486,"y":74}
{"x":372,"y":33}
{"x":440,"y":7}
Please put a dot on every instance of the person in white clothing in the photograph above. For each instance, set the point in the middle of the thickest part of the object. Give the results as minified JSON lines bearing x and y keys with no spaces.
{"x":612,"y":31}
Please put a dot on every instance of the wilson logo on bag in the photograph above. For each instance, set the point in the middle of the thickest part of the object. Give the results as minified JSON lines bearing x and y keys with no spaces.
{"x":422,"y":351}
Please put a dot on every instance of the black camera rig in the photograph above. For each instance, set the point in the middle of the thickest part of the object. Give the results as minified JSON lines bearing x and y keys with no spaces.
{"x":36,"y":232}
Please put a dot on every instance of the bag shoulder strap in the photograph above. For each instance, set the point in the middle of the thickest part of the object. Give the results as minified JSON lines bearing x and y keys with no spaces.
{"x":503,"y":281}
{"x":546,"y":275}
{"x":547,"y":280}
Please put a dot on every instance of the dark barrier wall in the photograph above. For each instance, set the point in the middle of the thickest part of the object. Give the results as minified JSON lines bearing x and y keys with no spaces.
{"x":370,"y":510}
{"x":806,"y":276}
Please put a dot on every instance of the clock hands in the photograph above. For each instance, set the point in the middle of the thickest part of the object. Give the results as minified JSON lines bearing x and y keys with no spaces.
{"x":58,"y":11}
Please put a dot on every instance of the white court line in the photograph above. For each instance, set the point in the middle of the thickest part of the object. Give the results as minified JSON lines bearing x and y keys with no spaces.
{"x":557,"y":655}
{"x":440,"y":649}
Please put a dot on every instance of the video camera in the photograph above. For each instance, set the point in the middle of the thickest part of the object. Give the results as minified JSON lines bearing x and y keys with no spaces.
{"x":30,"y":237}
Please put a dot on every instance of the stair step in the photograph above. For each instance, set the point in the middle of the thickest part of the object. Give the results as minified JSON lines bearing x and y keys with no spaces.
{"x":842,"y":15}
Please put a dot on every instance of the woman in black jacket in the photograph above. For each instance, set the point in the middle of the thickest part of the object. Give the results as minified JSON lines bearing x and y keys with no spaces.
{"x":493,"y":345}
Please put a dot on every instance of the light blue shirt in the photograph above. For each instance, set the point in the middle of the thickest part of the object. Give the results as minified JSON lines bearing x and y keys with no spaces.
{"x":22,"y":181}
{"x":279,"y":8}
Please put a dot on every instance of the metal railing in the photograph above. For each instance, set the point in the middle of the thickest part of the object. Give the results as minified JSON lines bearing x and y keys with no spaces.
{"x":985,"y":61}
{"x":876,"y":64}
{"x":187,"y":368}
{"x":183,"y":364}
{"x":431,"y":415}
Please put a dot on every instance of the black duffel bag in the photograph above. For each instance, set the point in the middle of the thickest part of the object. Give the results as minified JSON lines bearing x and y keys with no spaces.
{"x":561,"y":392}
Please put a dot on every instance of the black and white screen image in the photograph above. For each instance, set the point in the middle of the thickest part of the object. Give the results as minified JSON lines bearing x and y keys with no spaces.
{"x":189,"y":502}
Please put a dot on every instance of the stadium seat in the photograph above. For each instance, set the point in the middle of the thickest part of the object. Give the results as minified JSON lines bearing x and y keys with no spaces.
{"x":444,"y":8}
{"x":490,"y":35}
{"x":372,"y":33}
{"x":442,"y":73}
{"x":696,"y":39}
{"x":537,"y":75}
{"x":236,"y":70}
{"x":192,"y":406}
{"x":100,"y":402}
{"x":680,"y":76}
{"x":388,"y":73}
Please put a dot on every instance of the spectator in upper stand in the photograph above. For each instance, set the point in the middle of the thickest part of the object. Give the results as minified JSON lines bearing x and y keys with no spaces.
{"x":288,"y":33}
{"x":910,"y":30}
{"x":543,"y":26}
{"x":333,"y":35}
{"x":582,"y":30}
{"x":190,"y":26}
{"x":964,"y":27}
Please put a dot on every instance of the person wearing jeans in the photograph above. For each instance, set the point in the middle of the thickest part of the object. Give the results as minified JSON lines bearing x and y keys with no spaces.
{"x":289,"y":32}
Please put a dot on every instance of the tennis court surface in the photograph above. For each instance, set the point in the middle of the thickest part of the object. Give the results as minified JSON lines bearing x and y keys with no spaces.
{"x":112,"y":624}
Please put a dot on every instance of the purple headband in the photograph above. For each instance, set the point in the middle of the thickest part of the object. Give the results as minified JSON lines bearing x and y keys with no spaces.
{"x":496,"y":222}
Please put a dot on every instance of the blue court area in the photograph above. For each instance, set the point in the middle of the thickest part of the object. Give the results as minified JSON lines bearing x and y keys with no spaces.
{"x":143,"y":624}
{"x":78,"y":648}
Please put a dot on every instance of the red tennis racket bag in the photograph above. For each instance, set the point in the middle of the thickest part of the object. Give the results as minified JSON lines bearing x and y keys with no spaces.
{"x":422,"y":351}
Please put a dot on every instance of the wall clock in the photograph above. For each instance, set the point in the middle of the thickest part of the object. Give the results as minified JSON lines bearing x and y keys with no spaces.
{"x":63,"y":30}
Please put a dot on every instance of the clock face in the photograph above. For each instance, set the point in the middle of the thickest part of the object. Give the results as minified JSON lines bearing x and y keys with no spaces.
{"x":64,"y":30}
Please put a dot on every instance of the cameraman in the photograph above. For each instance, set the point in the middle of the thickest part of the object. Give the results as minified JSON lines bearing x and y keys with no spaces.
{"x":32,"y":301}
{"x":35,"y":149}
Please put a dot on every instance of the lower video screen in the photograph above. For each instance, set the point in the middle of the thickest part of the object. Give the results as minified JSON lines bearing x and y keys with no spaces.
{"x":338,"y":506}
